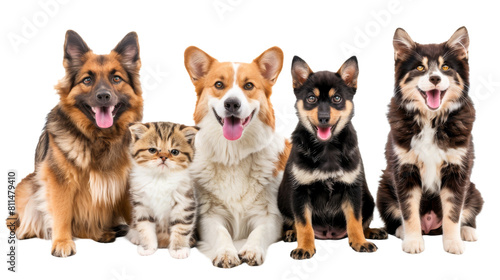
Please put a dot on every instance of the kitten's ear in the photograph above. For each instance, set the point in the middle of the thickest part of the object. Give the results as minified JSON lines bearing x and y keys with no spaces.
{"x":138,"y":129}
{"x":189,"y":132}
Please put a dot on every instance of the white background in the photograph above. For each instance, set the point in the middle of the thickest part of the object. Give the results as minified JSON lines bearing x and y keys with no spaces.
{"x":324,"y":34}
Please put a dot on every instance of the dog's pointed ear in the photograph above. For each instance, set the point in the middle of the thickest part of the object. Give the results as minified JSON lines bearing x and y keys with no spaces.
{"x":300,"y":71}
{"x":197,"y":63}
{"x":459,"y":43}
{"x":403,"y":44}
{"x":74,"y":49}
{"x":190,"y":133}
{"x":138,"y":130}
{"x":349,"y":72}
{"x":128,"y":49}
{"x":270,"y":63}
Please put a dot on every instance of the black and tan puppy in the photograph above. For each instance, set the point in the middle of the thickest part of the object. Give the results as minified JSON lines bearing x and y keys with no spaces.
{"x":426,"y":186}
{"x":324,"y":192}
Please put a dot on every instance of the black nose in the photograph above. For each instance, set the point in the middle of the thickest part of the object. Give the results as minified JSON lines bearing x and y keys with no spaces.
{"x":232,"y":105}
{"x":435,"y":79}
{"x":324,"y":117}
{"x":103,"y":96}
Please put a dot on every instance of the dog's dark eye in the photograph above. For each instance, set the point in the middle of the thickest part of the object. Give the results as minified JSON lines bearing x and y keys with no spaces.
{"x":420,"y":68}
{"x":174,"y":152}
{"x":152,"y":150}
{"x":87,"y":81}
{"x":117,"y":79}
{"x":311,"y":99}
{"x":445,"y":67}
{"x":248,"y":86}
{"x":219,"y":85}
{"x":336,"y":99}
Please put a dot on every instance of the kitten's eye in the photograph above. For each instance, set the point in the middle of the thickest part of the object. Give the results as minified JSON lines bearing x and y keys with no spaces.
{"x":336,"y":99}
{"x":311,"y":99}
{"x":117,"y":79}
{"x":219,"y":85}
{"x":174,"y":152}
{"x":420,"y":68}
{"x":445,"y":67}
{"x":248,"y":86}
{"x":87,"y":81}
{"x":152,"y":150}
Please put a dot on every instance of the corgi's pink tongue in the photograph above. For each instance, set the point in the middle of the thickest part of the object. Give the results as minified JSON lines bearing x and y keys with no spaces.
{"x":433,"y":98}
{"x":104,"y":116}
{"x":232,"y":128}
{"x":324,"y":133}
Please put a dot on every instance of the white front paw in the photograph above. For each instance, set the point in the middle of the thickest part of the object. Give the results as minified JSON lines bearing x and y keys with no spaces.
{"x":468,"y":234}
{"x":226,"y":259}
{"x":180,"y":253}
{"x":146,"y":250}
{"x":413,"y":245}
{"x":252,"y":255}
{"x":453,"y":246}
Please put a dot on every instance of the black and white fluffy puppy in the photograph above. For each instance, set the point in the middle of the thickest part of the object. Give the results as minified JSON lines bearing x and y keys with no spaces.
{"x":324,"y":192}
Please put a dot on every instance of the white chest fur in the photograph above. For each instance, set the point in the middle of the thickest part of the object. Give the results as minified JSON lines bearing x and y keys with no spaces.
{"x":429,"y":157}
{"x":157,"y":191}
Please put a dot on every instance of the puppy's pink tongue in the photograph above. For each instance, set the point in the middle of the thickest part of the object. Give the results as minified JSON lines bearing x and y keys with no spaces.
{"x":324,"y":133}
{"x":104,"y":116}
{"x":433,"y":98}
{"x":232,"y":128}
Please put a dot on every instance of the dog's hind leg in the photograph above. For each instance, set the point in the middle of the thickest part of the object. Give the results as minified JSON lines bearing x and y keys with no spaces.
{"x":31,"y":220}
{"x":472,"y":206}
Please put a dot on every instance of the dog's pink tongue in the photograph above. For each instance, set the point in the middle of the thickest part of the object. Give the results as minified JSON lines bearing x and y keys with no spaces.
{"x":104,"y":116}
{"x":324,"y":133}
{"x":433,"y":98}
{"x":232,"y":128}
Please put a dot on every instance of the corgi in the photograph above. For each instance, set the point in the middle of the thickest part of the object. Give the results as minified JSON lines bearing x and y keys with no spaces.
{"x":324,"y":193}
{"x":426,"y":187}
{"x":239,"y":158}
{"x":79,"y":187}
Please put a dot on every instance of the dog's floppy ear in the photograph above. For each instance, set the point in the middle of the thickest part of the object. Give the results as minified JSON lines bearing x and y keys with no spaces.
{"x":349,"y":72}
{"x":190,"y":133}
{"x":300,"y":71}
{"x":270,"y":63}
{"x":403,"y":44}
{"x":197,"y":63}
{"x":74,"y":49}
{"x":137,"y":130}
{"x":459,"y":42}
{"x":128,"y":49}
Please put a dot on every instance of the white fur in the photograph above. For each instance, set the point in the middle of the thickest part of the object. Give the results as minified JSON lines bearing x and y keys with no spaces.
{"x":306,"y":177}
{"x":237,"y":190}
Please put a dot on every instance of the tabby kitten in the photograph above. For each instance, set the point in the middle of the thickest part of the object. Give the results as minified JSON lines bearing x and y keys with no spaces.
{"x":162,"y":194}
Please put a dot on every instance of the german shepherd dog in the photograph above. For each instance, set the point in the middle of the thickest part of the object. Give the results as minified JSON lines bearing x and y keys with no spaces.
{"x":324,"y":193}
{"x":426,"y":187}
{"x":79,"y":187}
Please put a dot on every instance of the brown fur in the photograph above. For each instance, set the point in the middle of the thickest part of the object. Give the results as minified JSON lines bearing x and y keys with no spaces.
{"x":80,"y":180}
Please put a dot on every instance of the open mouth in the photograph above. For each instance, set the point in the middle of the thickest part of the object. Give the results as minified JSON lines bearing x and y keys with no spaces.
{"x":104,"y":116}
{"x":232,"y":127}
{"x":432,"y":97}
{"x":325,"y":132}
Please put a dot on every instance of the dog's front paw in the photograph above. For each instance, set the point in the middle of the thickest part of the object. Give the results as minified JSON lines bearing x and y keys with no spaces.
{"x":227,"y":259}
{"x":363,"y":246}
{"x":413,"y":245}
{"x":63,"y":248}
{"x":146,"y":250}
{"x":180,"y":253}
{"x":253,"y":256}
{"x":454,"y":246}
{"x":301,"y":253}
